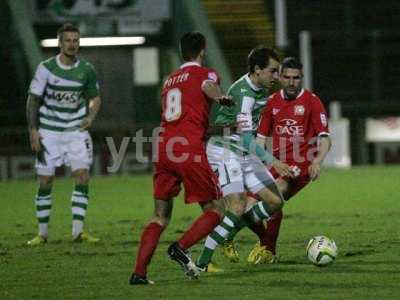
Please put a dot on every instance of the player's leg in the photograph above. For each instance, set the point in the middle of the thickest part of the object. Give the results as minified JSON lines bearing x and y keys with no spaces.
{"x":46,"y":164}
{"x":166,"y":186}
{"x":79,"y":205}
{"x":43,"y":204}
{"x":259,"y":181}
{"x":201,"y":186}
{"x":203,"y":225}
{"x":79,"y":154}
{"x":270,"y":237}
{"x":228,"y":247}
{"x":221,"y":232}
{"x":149,"y":240}
{"x":227,"y":165}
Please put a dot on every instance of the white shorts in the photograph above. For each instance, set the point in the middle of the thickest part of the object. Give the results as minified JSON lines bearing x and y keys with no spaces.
{"x":74,"y":149}
{"x":238,"y":173}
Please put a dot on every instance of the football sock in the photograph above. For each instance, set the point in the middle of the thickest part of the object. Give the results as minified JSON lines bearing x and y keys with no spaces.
{"x":247,"y":220}
{"x":199,"y":229}
{"x":258,"y":212}
{"x":271,"y":234}
{"x":217,"y":237}
{"x":79,"y":201}
{"x":148,"y":243}
{"x":43,"y":209}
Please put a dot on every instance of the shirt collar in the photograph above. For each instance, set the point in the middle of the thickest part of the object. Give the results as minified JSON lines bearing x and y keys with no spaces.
{"x":298,"y":96}
{"x":251,"y":84}
{"x":66,"y":67}
{"x":189,"y":64}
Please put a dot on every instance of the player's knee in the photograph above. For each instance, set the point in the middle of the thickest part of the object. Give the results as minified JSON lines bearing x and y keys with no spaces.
{"x":236,"y":203}
{"x":276,"y":203}
{"x":216,"y":206}
{"x":81,"y":177}
{"x":163,"y":221}
{"x":46,"y":181}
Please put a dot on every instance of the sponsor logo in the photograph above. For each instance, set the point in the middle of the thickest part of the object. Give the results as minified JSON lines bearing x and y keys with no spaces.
{"x":275,"y":111}
{"x":324,"y":122}
{"x":299,"y":110}
{"x":289,"y":127}
{"x":243,"y":90}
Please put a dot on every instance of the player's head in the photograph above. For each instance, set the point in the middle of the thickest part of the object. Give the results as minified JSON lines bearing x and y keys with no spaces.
{"x":68,"y":39}
{"x":290,"y":76}
{"x":193,"y":46}
{"x":263,"y":66}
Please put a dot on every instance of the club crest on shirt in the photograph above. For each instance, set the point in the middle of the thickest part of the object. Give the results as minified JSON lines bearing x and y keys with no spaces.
{"x":275,"y":111}
{"x":213,"y":76}
{"x":298,"y":110}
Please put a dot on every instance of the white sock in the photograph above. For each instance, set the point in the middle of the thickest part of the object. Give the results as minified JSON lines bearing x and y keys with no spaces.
{"x":44,"y":229}
{"x":77,"y":228}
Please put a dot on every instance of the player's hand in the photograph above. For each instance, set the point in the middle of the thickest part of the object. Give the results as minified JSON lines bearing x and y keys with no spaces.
{"x":314,"y":170}
{"x":34,"y":139}
{"x":225,"y":100}
{"x":283,"y":169}
{"x":86,"y":123}
{"x":244,"y":122}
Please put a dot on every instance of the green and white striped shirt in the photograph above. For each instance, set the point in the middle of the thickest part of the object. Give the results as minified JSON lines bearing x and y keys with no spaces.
{"x":65,"y":91}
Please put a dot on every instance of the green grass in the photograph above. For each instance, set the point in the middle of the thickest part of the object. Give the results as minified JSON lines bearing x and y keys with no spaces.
{"x":358,"y":208}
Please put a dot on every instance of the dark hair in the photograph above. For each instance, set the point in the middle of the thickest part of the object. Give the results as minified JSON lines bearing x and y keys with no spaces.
{"x":67,"y":27}
{"x":291,"y":63}
{"x":260,"y":56}
{"x":191,"y":45}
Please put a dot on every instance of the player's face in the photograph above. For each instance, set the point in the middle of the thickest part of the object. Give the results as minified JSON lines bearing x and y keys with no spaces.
{"x":291,"y":81}
{"x":268,"y":76}
{"x":69,"y":43}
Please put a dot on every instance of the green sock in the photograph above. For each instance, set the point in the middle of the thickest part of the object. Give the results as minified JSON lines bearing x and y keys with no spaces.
{"x":217,"y":237}
{"x":43,"y":209}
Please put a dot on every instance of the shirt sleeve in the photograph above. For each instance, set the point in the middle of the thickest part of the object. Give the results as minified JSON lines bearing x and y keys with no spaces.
{"x":211,"y":75}
{"x":319,"y":117}
{"x":250,"y":144}
{"x":92,"y":87}
{"x":265,"y":126}
{"x":39,"y":81}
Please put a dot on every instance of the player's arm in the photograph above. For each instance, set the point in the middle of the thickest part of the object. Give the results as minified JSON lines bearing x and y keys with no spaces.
{"x":244,"y":120}
{"x":36,"y":90}
{"x":320,"y":123}
{"x":213,"y":91}
{"x":32,"y":118}
{"x":94,"y":107}
{"x":324,"y":145}
{"x":92,"y":93}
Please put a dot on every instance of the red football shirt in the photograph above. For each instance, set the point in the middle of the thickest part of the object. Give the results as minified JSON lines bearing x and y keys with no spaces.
{"x":185,"y":109}
{"x":294,"y":126}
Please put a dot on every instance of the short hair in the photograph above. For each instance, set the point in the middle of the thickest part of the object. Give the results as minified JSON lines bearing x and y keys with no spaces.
{"x":67,"y":27}
{"x":260,"y":57}
{"x":191,"y":44}
{"x":291,"y":63}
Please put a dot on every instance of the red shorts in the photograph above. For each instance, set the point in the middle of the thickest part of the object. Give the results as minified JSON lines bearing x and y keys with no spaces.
{"x":295,"y":184}
{"x":199,"y":181}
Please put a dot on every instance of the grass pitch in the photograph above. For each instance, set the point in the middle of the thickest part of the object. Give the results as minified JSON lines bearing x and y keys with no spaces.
{"x":358,"y":208}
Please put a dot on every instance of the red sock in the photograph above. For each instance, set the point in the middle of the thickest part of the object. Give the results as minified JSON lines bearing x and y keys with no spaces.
{"x":202,"y":227}
{"x":259,"y":229}
{"x":271,"y":234}
{"x":148,"y":244}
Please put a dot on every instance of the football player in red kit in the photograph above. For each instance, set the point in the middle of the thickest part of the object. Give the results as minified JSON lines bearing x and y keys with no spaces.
{"x":187,"y":96}
{"x":296,"y":120}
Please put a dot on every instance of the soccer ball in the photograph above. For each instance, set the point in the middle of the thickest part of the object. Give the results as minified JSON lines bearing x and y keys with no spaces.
{"x":321,"y":250}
